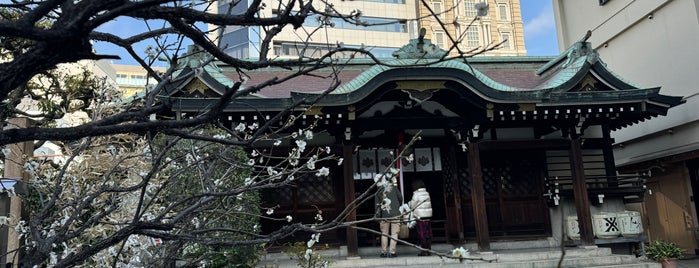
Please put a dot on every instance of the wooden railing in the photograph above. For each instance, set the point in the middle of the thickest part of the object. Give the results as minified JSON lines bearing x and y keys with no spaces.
{"x":630,"y":187}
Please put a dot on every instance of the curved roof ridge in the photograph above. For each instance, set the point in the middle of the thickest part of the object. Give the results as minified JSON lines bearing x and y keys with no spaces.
{"x":372,"y":72}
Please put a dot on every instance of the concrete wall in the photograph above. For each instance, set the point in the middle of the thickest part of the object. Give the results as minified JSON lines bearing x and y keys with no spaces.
{"x":650,"y":43}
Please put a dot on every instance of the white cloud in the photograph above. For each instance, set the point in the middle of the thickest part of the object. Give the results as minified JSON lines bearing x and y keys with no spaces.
{"x":542,"y":23}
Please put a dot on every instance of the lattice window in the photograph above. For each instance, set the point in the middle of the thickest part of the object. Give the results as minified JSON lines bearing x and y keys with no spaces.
{"x":315,"y":189}
{"x":472,"y":39}
{"x":511,"y":174}
{"x":448,"y":170}
{"x":464,"y":175}
{"x":470,"y":9}
{"x":282,"y":195}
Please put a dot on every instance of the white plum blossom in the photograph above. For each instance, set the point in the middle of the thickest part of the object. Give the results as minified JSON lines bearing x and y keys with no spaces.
{"x":339,"y":161}
{"x":308,"y":253}
{"x":386,"y":205}
{"x":248,"y":181}
{"x":251,"y":162}
{"x":301,"y":144}
{"x":380,"y":180}
{"x":460,"y":253}
{"x":311,"y":164}
{"x":324,"y":171}
{"x":309,"y":134}
{"x":222,"y":136}
{"x":4,"y":220}
{"x":271,"y":171}
{"x":394,"y":171}
{"x":289,"y":218}
{"x":240,"y":127}
{"x":111,"y":149}
{"x":270,"y":211}
{"x":294,"y":135}
{"x":315,"y":238}
{"x":319,"y":217}
{"x":253,"y":126}
{"x":254,"y":153}
{"x":482,"y":9}
{"x":277,"y":142}
{"x":410,"y":158}
{"x":327,"y":149}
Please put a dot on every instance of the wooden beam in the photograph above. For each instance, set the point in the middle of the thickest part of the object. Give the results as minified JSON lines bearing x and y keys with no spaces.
{"x":543,"y":144}
{"x":582,"y":202}
{"x":478,"y":197}
{"x":348,"y":172}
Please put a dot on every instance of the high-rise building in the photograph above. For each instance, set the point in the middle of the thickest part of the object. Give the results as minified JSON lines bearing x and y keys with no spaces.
{"x":502,"y":23}
{"x":133,"y":79}
{"x":651,"y":42}
{"x":395,"y":22}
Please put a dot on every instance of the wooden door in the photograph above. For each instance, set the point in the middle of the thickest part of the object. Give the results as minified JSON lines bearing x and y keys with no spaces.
{"x":667,"y":211}
{"x":513,"y":185}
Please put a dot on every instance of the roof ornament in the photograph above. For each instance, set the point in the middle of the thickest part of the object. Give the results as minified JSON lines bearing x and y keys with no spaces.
{"x":420,"y":48}
{"x":580,"y":49}
{"x":196,"y":57}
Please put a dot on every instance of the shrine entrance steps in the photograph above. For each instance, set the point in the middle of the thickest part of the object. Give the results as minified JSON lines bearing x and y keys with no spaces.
{"x":534,"y":257}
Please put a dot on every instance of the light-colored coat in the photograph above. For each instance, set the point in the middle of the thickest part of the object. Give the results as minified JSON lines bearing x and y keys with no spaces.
{"x":421,"y":204}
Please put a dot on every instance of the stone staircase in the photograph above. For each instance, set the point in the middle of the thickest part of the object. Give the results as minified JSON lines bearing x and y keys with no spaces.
{"x":528,"y":254}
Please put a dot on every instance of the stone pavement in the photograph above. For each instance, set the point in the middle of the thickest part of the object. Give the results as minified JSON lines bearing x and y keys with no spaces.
{"x":689,"y":261}
{"x":502,"y":258}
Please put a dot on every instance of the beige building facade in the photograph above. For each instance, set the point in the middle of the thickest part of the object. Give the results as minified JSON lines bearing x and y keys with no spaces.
{"x":394,"y":22}
{"x":132,"y":79}
{"x":503,"y":23}
{"x":653,"y":43}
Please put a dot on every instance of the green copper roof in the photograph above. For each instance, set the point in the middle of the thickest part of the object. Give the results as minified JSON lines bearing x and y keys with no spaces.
{"x":372,"y":72}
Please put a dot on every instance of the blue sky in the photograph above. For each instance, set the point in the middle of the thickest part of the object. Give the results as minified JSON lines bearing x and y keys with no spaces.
{"x":537,"y":15}
{"x":539,"y":28}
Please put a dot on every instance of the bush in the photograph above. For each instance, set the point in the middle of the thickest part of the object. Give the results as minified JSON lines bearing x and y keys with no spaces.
{"x":659,"y":250}
{"x":307,"y":257}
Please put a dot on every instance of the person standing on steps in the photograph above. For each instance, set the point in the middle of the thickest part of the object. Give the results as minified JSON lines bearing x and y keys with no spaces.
{"x":388,"y":201}
{"x":421,"y":206}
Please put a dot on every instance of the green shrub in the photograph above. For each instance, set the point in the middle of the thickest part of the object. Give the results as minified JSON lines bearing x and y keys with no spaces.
{"x":305,"y":258}
{"x":659,"y":250}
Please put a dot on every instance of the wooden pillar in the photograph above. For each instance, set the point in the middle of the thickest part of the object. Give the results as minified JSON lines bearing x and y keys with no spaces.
{"x":348,"y":171}
{"x":582,"y":202}
{"x":12,"y":206}
{"x":478,"y":197}
{"x":452,"y":199}
{"x":608,"y":152}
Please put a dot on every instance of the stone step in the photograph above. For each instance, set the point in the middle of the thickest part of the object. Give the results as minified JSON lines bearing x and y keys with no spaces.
{"x":405,"y":262}
{"x":612,"y":261}
{"x":637,"y":265}
{"x":532,"y":257}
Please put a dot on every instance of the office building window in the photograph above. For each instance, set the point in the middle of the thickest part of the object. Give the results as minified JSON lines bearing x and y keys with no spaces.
{"x":374,"y":24}
{"x":506,"y":40}
{"x":438,"y":37}
{"x":502,"y":9}
{"x":437,"y":9}
{"x":470,"y":9}
{"x":472,"y":39}
{"x":486,"y":34}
